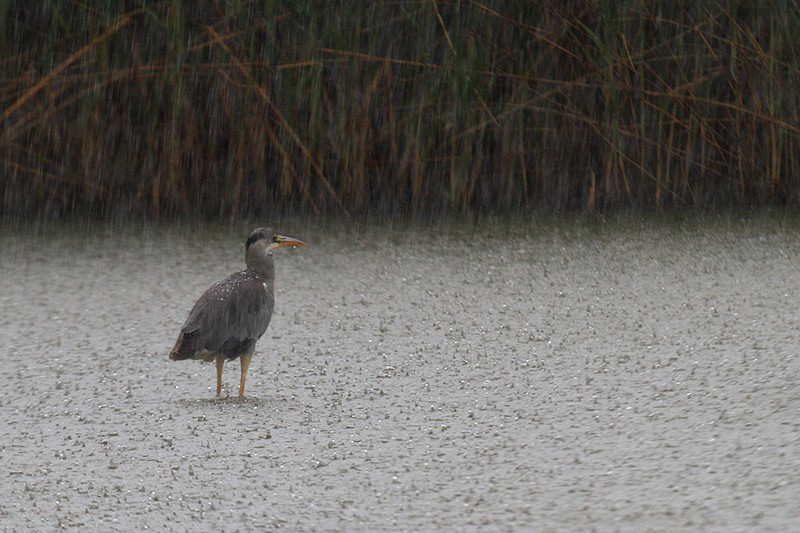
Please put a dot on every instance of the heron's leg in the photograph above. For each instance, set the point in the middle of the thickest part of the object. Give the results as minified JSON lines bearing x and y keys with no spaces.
{"x":219,"y":360}
{"x":245,"y":358}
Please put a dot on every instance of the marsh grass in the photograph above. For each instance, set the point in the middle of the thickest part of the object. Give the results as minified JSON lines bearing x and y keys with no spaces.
{"x":228,"y":109}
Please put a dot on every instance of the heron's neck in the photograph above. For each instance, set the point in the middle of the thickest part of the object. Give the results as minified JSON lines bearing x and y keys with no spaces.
{"x":260,"y":261}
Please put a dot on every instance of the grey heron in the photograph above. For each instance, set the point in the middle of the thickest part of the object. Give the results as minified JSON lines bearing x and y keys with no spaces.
{"x":230,"y":317}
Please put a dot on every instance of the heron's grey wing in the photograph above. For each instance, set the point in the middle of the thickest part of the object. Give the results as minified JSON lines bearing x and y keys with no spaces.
{"x":238,"y":307}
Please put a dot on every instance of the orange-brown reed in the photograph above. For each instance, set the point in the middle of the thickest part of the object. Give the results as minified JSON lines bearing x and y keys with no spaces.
{"x":241,"y":108}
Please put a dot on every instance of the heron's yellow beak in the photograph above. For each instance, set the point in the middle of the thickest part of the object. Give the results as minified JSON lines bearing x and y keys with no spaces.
{"x":281,"y":242}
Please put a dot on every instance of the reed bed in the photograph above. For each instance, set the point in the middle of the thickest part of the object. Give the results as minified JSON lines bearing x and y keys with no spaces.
{"x":236,"y":108}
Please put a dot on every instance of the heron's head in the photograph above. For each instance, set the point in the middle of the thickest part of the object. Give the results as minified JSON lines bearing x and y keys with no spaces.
{"x":269,"y":240}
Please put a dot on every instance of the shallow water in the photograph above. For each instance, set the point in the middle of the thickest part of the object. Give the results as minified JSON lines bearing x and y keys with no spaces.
{"x":552,"y":376}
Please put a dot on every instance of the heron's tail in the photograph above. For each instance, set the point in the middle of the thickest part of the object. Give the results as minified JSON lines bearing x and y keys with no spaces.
{"x":183,"y":349}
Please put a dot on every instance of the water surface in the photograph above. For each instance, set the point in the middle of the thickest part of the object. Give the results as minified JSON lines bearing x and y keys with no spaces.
{"x":548,"y":375}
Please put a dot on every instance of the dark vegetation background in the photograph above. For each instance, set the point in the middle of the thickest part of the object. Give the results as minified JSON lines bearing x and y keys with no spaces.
{"x":238,"y":109}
